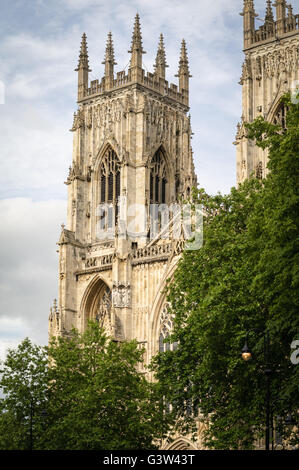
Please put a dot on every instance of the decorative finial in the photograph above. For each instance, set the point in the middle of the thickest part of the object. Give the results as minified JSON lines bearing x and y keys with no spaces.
{"x":83,"y":56}
{"x":136,"y":47}
{"x":183,"y":72}
{"x":290,"y":12}
{"x":183,"y":63}
{"x":269,"y":12}
{"x":248,"y":5}
{"x":109,"y":54}
{"x":109,"y":63}
{"x":160,"y":63}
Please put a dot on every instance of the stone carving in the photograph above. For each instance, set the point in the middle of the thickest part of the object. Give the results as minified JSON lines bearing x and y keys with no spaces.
{"x":78,"y":120}
{"x":103,"y":315}
{"x":160,"y":122}
{"x":259,"y":170}
{"x":166,"y":326}
{"x":258,"y":69}
{"x":166,"y":320}
{"x":73,"y":206}
{"x":105,"y":260}
{"x":277,"y":63}
{"x":89,"y":118}
{"x":246,"y":71}
{"x":121,"y":294}
{"x":75,"y":172}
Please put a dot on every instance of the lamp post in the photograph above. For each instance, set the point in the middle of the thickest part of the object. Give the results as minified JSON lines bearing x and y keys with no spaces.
{"x":247,"y":356}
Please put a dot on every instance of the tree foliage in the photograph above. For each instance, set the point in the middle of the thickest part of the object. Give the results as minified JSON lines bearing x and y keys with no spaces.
{"x":93,"y":396}
{"x":244,"y":278}
{"x":23,"y":382}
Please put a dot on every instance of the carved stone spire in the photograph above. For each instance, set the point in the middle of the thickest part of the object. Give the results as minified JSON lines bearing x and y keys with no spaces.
{"x":183,"y":72}
{"x":249,"y":15}
{"x":83,"y":68}
{"x":290,"y":13}
{"x":280,"y":15}
{"x":136,"y":47}
{"x":160,"y":63}
{"x":109,"y":62}
{"x":83,"y":56}
{"x":269,"y":13}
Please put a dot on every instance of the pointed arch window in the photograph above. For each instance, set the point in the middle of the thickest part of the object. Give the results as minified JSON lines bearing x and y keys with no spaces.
{"x":158,"y":179}
{"x":166,"y":326}
{"x":109,"y":187}
{"x":280,"y":117}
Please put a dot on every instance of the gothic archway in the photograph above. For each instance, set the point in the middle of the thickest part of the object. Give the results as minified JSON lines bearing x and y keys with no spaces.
{"x":97,"y":305}
{"x":180,"y":443}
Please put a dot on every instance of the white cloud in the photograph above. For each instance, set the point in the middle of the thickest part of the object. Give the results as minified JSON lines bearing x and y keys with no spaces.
{"x":29,"y":262}
{"x":36,"y":149}
{"x":12,"y":332}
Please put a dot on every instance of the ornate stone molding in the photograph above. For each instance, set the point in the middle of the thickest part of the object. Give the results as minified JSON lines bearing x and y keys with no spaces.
{"x":78,"y":120}
{"x":121,"y":294}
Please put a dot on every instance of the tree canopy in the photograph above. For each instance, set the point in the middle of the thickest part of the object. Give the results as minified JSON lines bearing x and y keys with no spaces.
{"x":245,"y":279}
{"x":93,"y":396}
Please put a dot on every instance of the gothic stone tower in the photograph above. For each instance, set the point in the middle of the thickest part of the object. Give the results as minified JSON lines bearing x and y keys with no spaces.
{"x":131,"y":142}
{"x":269,"y":70}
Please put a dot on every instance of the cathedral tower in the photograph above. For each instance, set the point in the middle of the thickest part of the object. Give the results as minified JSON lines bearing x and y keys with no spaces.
{"x":131,"y":151}
{"x":270,"y":69}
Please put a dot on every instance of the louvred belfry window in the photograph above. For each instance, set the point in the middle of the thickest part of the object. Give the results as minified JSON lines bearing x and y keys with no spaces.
{"x":109,"y":186}
{"x":158,"y":180}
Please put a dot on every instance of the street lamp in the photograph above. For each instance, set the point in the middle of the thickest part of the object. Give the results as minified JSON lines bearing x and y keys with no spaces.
{"x":247,"y":356}
{"x":246,"y":353}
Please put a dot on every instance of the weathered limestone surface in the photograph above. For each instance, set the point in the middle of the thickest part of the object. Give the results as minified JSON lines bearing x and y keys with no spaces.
{"x":119,"y":280}
{"x":270,"y":69}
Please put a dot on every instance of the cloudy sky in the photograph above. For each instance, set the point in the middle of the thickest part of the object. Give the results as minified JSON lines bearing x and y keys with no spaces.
{"x":39,"y":46}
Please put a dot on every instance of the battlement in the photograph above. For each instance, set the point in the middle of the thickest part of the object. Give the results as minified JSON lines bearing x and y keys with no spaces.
{"x":286,"y":23}
{"x":266,"y":32}
{"x":147,"y":79}
{"x":136,"y":74}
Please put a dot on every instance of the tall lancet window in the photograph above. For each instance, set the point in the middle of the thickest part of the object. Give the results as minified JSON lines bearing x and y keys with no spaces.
{"x":166,"y":326}
{"x":158,"y":179}
{"x":280,"y":116}
{"x":109,"y":188}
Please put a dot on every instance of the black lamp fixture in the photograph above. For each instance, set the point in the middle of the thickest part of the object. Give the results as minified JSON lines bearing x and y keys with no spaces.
{"x":246,"y":353}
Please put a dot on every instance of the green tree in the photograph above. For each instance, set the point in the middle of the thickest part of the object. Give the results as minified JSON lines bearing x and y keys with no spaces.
{"x":94,"y":395}
{"x":245,"y":277}
{"x":23,"y":381}
{"x":98,"y":399}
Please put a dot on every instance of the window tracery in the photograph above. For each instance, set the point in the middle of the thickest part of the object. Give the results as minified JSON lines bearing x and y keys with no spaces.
{"x":109,"y":188}
{"x":158,"y":179}
{"x":166,"y":326}
{"x":280,"y":116}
